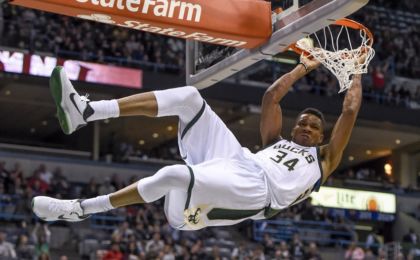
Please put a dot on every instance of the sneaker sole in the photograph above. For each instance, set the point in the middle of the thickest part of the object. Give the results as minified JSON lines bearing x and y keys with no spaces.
{"x":56,"y":92}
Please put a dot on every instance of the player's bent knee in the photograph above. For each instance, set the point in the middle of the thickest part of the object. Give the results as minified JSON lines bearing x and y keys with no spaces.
{"x":176,"y":176}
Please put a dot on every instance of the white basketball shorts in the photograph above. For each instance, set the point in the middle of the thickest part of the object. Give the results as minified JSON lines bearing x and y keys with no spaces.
{"x":225,"y":187}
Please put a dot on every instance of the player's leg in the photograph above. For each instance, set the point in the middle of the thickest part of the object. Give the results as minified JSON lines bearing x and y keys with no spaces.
{"x":170,"y":178}
{"x":75,"y":111}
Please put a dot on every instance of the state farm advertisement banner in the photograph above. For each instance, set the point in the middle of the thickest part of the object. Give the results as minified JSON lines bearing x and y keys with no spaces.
{"x":235,"y":23}
{"x":354,"y":199}
{"x":18,"y":62}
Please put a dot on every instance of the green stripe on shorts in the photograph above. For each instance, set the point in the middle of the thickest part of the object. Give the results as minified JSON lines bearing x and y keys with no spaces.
{"x":190,"y":187}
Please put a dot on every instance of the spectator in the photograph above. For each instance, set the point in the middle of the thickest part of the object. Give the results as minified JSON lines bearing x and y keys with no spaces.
{"x":114,"y":253}
{"x":268,"y":245}
{"x":44,"y":256}
{"x":24,"y":250}
{"x":41,"y":235}
{"x":45,"y":174}
{"x":7,"y":250}
{"x":4,"y":198}
{"x":369,"y":255}
{"x":312,"y":252}
{"x":372,"y":241}
{"x":239,"y":252}
{"x":134,"y":250}
{"x":215,"y":254}
{"x":91,"y":189}
{"x":16,"y":172}
{"x":257,"y":253}
{"x":297,"y":247}
{"x":197,"y":251}
{"x":59,"y":184}
{"x":354,"y":252}
{"x":411,"y":237}
{"x":106,"y":187}
{"x":378,"y":79}
{"x":282,"y":251}
{"x":4,"y":177}
{"x":117,"y":182}
{"x":23,"y":206}
{"x":38,"y":185}
{"x":124,"y":231}
{"x":154,"y":245}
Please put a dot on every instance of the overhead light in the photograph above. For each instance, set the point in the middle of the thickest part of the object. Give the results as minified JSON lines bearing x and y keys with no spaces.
{"x":141,"y":142}
{"x":32,"y":130}
{"x":155,"y":135}
{"x":368,"y":152}
{"x":241,"y":122}
{"x":388,"y":169}
{"x":170,"y":128}
{"x":44,"y":123}
{"x":8,"y":92}
{"x":397,"y":141}
{"x":351,"y":158}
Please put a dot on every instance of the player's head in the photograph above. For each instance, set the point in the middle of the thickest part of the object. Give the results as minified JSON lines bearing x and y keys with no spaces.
{"x":309,"y":128}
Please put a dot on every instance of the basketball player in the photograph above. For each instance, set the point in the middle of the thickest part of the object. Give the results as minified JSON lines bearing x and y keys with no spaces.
{"x":221,"y":183}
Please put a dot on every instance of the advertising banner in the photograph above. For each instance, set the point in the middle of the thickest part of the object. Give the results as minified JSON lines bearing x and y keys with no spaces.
{"x":36,"y":65}
{"x":354,"y":199}
{"x":234,"y":23}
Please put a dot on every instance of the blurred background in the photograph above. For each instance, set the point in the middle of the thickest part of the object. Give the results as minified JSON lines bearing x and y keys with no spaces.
{"x":370,"y":211}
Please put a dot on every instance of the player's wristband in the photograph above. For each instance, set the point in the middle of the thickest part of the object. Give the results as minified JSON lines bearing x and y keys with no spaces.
{"x":304,"y":65}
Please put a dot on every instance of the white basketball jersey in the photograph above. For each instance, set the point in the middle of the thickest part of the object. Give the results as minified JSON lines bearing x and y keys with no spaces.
{"x":292,"y":171}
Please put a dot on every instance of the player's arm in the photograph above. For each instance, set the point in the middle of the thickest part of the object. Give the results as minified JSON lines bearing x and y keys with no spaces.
{"x":333,"y":151}
{"x":271,"y":115}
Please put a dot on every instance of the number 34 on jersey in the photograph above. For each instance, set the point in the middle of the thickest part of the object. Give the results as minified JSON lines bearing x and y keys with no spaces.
{"x":290,"y":156}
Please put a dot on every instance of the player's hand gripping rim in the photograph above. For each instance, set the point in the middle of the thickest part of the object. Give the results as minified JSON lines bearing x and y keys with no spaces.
{"x":309,"y":62}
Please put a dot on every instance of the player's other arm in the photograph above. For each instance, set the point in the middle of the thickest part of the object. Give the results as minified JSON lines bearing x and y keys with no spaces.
{"x":271,"y":115}
{"x":341,"y":133}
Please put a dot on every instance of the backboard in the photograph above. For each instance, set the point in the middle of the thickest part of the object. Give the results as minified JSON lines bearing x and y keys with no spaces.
{"x":208,"y":64}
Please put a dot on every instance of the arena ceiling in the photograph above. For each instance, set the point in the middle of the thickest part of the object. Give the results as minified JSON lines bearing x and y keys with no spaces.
{"x":27,"y":117}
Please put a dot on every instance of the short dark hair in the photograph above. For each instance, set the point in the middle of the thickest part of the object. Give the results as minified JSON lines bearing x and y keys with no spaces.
{"x":315,"y":112}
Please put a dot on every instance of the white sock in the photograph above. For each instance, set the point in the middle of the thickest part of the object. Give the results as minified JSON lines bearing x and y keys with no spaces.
{"x":104,"y":109}
{"x":96,"y":205}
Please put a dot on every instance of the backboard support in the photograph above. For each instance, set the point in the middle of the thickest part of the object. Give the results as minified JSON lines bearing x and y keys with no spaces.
{"x":288,"y":27}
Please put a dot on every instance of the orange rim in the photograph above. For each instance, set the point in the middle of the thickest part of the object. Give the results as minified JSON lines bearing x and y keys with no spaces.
{"x":342,"y":22}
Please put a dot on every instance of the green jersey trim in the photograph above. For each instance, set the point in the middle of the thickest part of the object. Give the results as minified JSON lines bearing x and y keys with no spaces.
{"x":194,"y":120}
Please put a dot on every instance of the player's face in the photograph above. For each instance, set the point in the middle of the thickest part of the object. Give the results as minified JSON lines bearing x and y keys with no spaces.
{"x":308,"y":130}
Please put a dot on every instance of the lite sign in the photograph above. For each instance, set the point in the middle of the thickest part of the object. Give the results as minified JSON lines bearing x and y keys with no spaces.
{"x":36,"y":65}
{"x":355,"y":199}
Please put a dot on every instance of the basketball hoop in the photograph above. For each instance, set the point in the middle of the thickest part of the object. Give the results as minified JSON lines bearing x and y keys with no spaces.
{"x":337,"y":53}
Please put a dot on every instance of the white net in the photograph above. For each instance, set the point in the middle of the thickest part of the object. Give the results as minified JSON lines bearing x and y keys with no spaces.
{"x":341,"y":61}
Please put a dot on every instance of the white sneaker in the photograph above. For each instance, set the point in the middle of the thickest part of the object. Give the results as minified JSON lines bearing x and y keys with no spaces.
{"x":50,"y":209}
{"x":72,"y":109}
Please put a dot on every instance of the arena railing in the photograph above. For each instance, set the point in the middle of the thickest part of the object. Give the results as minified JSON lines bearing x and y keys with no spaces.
{"x":44,"y":151}
{"x":322,"y":232}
